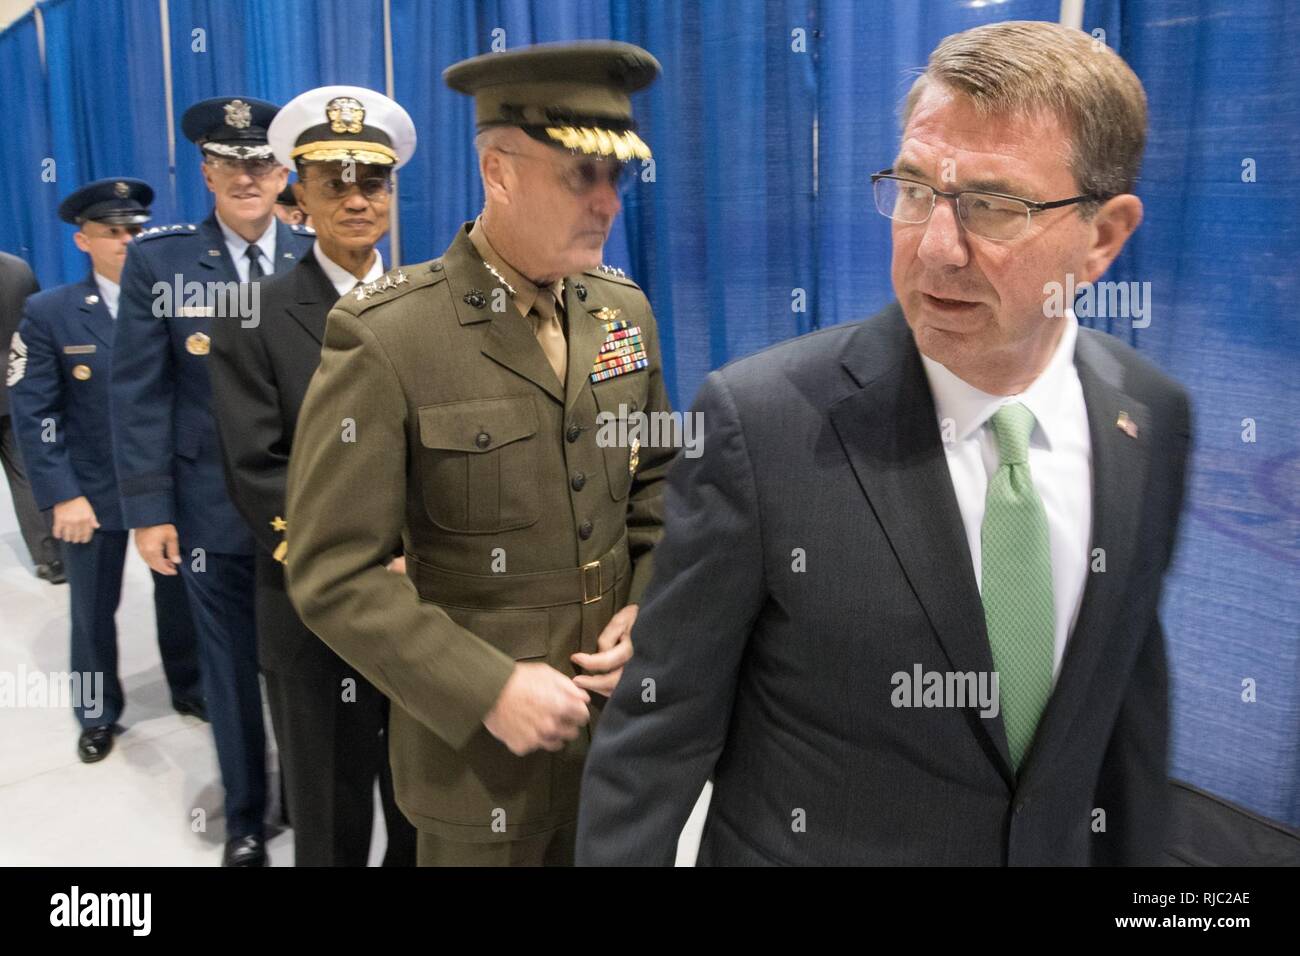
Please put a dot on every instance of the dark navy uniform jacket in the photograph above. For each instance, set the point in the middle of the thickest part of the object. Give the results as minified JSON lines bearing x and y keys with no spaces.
{"x":68,"y":336}
{"x":167,"y":452}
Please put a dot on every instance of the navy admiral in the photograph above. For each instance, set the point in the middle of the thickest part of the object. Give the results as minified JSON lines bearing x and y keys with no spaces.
{"x":330,"y":722}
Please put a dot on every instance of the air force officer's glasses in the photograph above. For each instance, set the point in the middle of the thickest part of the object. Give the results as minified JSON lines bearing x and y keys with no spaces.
{"x":990,"y":215}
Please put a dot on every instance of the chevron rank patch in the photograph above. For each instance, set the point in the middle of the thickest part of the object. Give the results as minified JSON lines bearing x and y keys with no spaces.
{"x":622,"y":351}
{"x":17,"y":360}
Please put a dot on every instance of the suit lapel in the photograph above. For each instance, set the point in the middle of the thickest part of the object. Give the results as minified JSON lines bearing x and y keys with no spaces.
{"x":95,"y":316}
{"x":890,"y":435}
{"x":507,"y":340}
{"x":1119,"y":469}
{"x":314,"y":290}
{"x":586,"y":335}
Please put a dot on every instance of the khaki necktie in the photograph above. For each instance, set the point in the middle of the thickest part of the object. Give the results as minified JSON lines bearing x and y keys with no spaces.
{"x":550,"y":332}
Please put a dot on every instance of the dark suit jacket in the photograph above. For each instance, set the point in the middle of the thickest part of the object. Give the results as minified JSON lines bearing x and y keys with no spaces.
{"x":165,"y":440}
{"x":259,"y":377}
{"x":778,"y":682}
{"x":16,"y":284}
{"x":68,"y":334}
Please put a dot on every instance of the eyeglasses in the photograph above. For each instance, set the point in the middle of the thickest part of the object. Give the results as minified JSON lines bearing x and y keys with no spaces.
{"x":372,"y":187}
{"x":581,"y":178}
{"x":257,"y":168}
{"x":990,"y":215}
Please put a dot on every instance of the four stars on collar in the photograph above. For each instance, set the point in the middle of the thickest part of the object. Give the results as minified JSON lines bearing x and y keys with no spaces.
{"x":389,"y":281}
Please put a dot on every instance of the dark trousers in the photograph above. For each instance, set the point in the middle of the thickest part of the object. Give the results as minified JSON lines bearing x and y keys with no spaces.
{"x":94,"y":571}
{"x":221,"y":600}
{"x":36,"y":525}
{"x":333,"y":740}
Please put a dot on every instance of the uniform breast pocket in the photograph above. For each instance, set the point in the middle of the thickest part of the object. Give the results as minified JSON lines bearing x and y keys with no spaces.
{"x":626,"y":428}
{"x":478,"y":464}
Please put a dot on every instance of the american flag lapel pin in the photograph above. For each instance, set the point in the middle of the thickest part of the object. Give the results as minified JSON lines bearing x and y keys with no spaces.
{"x":1127,"y":425}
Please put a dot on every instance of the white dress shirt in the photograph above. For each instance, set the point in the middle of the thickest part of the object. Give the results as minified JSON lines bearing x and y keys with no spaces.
{"x":344,"y":281}
{"x":1060,"y":463}
{"x":108,"y":291}
{"x":238,"y":247}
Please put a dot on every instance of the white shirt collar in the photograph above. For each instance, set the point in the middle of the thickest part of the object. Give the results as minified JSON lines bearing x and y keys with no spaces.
{"x":969,"y":407}
{"x":345,"y":281}
{"x":238,"y":245}
{"x":108,"y":291}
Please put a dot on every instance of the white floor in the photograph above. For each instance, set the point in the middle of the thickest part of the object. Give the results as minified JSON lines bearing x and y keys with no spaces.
{"x":156,"y":799}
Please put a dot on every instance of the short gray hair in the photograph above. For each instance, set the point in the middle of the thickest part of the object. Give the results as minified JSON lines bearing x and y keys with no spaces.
{"x":490,"y":138}
{"x":1020,"y":66}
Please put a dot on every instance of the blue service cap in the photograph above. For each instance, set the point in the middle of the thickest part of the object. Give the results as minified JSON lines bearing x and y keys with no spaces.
{"x":230,"y":126}
{"x":115,"y":202}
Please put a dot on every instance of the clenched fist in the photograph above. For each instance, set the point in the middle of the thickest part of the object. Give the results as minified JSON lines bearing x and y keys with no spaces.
{"x":538,"y":707}
{"x":74,"y":520}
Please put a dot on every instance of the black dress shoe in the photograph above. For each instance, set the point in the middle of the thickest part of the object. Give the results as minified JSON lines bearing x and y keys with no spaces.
{"x":52,"y":572}
{"x":244,"y":851}
{"x":95,"y":743}
{"x":191,"y":708}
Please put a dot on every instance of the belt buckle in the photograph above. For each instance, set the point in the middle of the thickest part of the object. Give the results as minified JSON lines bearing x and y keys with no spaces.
{"x":591,"y":594}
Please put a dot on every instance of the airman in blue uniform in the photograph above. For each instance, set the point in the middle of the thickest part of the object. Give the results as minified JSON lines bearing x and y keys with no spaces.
{"x":59,"y":399}
{"x":177,"y":282}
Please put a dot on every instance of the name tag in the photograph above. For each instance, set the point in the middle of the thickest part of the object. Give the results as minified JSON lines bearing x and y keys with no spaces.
{"x":196,"y":311}
{"x":79,"y":350}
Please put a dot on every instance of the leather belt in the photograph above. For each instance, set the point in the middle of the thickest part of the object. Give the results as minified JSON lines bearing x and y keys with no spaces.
{"x":529,"y":589}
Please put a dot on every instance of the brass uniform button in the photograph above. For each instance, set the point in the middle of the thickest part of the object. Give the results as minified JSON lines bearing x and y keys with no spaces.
{"x":81,"y":372}
{"x":198,"y":344}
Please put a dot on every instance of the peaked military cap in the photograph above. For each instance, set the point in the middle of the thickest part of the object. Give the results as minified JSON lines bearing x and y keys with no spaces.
{"x":233,"y":127}
{"x":574,"y":96}
{"x":342,"y":123}
{"x":115,"y":202}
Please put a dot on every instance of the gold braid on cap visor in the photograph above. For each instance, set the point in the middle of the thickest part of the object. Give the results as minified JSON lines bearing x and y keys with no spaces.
{"x":601,"y":142}
{"x":338,"y":151}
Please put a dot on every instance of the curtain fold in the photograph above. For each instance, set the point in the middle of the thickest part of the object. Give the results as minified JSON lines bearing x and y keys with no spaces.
{"x":34,"y":182}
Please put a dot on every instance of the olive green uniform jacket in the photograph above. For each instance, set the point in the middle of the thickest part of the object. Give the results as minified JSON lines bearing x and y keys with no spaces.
{"x":435,"y":425}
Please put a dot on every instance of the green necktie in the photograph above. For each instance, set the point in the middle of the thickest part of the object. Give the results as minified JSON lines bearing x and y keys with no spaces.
{"x":1016,"y":578}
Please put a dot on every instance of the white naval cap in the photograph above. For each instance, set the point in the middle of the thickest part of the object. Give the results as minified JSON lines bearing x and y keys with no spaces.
{"x":342,"y":123}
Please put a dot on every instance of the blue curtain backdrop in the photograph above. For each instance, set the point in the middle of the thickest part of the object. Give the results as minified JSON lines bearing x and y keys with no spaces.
{"x":28,"y":226}
{"x":108,"y":113}
{"x":769,"y":118}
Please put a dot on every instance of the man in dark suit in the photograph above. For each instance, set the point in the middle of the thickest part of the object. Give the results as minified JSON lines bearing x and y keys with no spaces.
{"x":330,"y":722}
{"x":16,"y":284}
{"x":60,"y":410}
{"x":889,"y":515}
{"x":176,"y":282}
